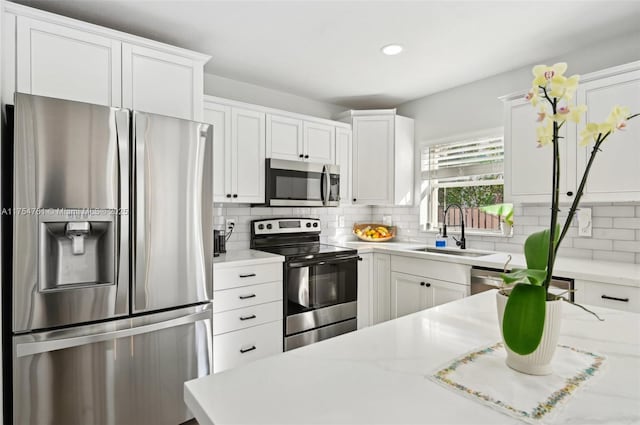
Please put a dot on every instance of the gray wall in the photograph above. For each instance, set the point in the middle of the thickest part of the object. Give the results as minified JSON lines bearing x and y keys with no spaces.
{"x":475,"y":106}
{"x":216,"y":85}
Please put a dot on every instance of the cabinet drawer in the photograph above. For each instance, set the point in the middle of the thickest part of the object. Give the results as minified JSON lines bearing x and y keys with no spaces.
{"x":246,"y":296}
{"x":234,"y":277}
{"x":450,"y":272}
{"x":242,"y":318}
{"x":618,"y":297}
{"x":237,"y":348}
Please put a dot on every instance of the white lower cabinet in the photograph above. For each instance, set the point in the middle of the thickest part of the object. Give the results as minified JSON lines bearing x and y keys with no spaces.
{"x":410,"y":293}
{"x":418,"y":284}
{"x":381,"y":288}
{"x":237,"y":348}
{"x":374,"y":279}
{"x":247,"y":314}
{"x":365,"y":274}
{"x":618,"y":297}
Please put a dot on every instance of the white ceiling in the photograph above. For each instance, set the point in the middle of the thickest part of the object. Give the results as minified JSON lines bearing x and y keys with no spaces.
{"x":330,"y":50}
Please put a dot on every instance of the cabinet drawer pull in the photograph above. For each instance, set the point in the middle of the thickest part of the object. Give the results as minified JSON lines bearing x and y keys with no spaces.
{"x":246,"y":297}
{"x":607,"y":297}
{"x":242,"y":276}
{"x":243,"y":318}
{"x":246,"y":350}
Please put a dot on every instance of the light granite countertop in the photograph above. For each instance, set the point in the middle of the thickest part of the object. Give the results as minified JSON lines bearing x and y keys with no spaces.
{"x":242,"y":257}
{"x":379,"y":374}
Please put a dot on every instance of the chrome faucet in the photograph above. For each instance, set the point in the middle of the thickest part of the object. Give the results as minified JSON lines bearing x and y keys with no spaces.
{"x":462,"y":243}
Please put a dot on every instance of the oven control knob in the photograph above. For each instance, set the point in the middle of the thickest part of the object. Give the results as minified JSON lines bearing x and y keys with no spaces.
{"x":260,"y":226}
{"x":269,"y":226}
{"x":308,"y":224}
{"x":315,"y":224}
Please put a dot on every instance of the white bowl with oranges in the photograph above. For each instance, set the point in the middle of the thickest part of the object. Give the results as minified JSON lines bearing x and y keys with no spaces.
{"x":372,"y":232}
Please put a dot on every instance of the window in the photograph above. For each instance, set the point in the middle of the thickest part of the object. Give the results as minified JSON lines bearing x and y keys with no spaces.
{"x":467,"y":171}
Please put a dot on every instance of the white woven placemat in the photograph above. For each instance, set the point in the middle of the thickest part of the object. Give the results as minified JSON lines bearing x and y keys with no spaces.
{"x":483,"y":375}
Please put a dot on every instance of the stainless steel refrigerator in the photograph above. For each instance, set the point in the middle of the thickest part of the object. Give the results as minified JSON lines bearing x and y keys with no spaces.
{"x":111,"y":263}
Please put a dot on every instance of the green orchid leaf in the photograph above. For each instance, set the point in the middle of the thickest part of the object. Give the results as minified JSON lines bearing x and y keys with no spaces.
{"x":500,"y":210}
{"x":531,"y":276}
{"x":523,"y":320}
{"x":536,"y":248}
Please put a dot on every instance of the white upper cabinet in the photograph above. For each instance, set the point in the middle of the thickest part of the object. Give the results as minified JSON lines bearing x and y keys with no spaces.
{"x":161,"y":83}
{"x":383,"y":157}
{"x":220,"y":117}
{"x":57,"y":61}
{"x":51,"y":55}
{"x":528,"y":165}
{"x":615,"y":173}
{"x":284,"y":138}
{"x":247,"y":155}
{"x":343,"y":160}
{"x":238,"y":153}
{"x":319,"y":143}
{"x":296,"y":139}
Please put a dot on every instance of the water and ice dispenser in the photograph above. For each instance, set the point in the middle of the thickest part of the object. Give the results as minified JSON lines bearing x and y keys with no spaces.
{"x":76,"y":251}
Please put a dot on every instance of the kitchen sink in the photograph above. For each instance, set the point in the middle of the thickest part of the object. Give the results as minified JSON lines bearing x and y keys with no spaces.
{"x":458,"y":252}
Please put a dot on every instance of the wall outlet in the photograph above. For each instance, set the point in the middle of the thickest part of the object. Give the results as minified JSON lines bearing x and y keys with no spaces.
{"x":584,"y":222}
{"x":230,"y":224}
{"x":340,"y":221}
{"x":387,"y":220}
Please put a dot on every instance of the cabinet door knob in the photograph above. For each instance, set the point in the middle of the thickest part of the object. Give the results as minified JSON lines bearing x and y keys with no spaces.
{"x":301,"y":156}
{"x":306,"y":156}
{"x":228,"y":195}
{"x":421,"y":283}
{"x":354,"y":199}
{"x":235,"y":195}
{"x":428,"y":285}
{"x":569,"y":193}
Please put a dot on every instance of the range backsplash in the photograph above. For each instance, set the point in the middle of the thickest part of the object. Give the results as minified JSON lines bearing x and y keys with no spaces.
{"x":329,"y":218}
{"x":616,"y":228}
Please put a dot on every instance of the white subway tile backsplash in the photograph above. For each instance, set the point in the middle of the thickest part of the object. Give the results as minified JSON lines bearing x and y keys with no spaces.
{"x":626,"y":257}
{"x":615,"y":237}
{"x":626,"y":223}
{"x":613,"y":210}
{"x":602,"y":222}
{"x":627,"y":246}
{"x":589,"y":243}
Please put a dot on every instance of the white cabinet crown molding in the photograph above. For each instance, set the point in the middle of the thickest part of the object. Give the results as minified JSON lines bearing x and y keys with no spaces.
{"x":273,"y":111}
{"x":41,"y":15}
{"x":607,"y":72}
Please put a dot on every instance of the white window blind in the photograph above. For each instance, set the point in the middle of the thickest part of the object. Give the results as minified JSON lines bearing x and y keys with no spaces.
{"x":465,"y":163}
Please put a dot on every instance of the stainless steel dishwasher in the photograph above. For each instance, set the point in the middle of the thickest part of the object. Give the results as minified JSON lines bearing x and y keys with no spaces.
{"x":484,"y":279}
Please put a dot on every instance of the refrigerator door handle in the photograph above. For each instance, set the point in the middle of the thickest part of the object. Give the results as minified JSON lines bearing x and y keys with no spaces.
{"x":122,"y":214}
{"x":141,"y":217}
{"x":33,"y":348}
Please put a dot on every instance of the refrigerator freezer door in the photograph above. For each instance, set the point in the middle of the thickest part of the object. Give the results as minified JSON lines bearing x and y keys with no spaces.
{"x":129,"y":371}
{"x":173,"y":233}
{"x":70,"y":257}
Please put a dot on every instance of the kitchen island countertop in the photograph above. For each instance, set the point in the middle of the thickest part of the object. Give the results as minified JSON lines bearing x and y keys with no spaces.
{"x":379,"y":374}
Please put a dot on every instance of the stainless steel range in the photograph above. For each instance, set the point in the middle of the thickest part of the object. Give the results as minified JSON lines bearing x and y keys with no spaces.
{"x":320,"y":281}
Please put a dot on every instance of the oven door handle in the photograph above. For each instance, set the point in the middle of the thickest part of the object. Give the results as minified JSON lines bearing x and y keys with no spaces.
{"x":320,"y":262}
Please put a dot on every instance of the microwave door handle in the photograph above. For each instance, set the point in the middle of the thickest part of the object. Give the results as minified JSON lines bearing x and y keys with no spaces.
{"x":323,"y":198}
{"x":327,"y":185}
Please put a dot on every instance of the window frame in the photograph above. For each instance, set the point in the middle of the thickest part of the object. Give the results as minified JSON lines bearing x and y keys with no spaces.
{"x":428,"y":203}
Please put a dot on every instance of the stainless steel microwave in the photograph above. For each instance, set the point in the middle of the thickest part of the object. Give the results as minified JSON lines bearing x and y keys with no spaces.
{"x":301,"y":184}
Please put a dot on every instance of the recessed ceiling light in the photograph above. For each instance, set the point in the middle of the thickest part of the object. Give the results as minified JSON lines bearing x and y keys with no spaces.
{"x":392,"y":49}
